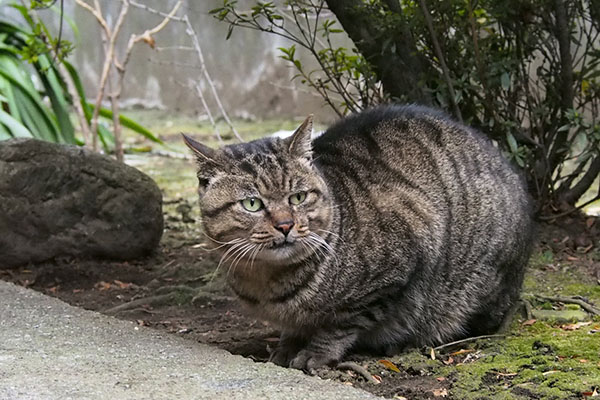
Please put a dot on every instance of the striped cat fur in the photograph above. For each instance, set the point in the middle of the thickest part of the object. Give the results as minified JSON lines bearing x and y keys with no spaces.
{"x":397,"y":227}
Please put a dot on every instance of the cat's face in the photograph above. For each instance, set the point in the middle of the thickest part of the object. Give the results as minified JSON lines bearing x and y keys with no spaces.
{"x":263,"y":201}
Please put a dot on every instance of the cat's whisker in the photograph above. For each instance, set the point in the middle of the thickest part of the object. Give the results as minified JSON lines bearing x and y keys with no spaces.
{"x":332,"y":233}
{"x":240,"y":256}
{"x":321,"y":243}
{"x":315,"y":247}
{"x":217,"y":241}
{"x":237,"y":240}
{"x":254,"y":254}
{"x":234,"y":244}
{"x":230,"y":252}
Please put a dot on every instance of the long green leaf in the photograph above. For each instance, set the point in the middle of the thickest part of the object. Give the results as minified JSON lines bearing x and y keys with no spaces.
{"x":54,"y":86}
{"x":128,"y":123}
{"x":4,"y":133}
{"x":38,"y":116}
{"x":79,"y":87}
{"x":15,"y":127}
{"x":34,"y":118}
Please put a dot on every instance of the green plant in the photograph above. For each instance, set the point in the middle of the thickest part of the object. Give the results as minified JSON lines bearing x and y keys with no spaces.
{"x":524,"y":72}
{"x":34,"y":96}
{"x":23,"y":112}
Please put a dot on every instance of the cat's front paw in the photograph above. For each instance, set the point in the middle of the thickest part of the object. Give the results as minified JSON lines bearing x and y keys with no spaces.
{"x":282,"y":355}
{"x":309,"y":361}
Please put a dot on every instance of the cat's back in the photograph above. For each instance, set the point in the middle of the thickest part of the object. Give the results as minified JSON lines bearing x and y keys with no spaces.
{"x":394,"y":130}
{"x":417,"y":145}
{"x":412,"y":166}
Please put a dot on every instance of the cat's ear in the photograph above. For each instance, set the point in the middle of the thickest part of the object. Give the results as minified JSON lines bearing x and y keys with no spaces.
{"x":201,"y":151}
{"x":208,"y":160}
{"x":300,"y":143}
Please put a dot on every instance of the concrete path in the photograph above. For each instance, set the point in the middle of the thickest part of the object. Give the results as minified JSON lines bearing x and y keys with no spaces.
{"x":51,"y":350}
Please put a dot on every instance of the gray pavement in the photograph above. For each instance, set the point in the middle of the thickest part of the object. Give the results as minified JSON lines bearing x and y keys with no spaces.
{"x":51,"y":350}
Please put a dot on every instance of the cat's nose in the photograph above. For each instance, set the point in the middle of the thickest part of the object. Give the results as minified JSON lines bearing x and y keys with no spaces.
{"x":284,"y":227}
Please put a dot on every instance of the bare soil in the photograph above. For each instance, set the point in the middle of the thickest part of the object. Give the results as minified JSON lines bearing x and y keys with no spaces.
{"x":177,"y":290}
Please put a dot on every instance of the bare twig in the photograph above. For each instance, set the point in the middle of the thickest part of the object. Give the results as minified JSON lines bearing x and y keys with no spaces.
{"x":203,"y":70}
{"x":440,"y":55}
{"x":153,"y":300}
{"x":192,"y":34}
{"x":358,"y":369}
{"x":121,"y":68}
{"x":210,"y":116}
{"x":111,"y":37}
{"x":469,"y":339}
{"x":571,"y":300}
{"x":112,"y":61}
{"x":571,"y":211}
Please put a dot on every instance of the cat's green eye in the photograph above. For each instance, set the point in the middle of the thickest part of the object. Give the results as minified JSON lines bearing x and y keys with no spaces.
{"x":252,"y":204}
{"x":297,"y":198}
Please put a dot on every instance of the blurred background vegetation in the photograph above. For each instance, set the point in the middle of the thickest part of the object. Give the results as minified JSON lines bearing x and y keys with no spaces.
{"x":526,"y":73}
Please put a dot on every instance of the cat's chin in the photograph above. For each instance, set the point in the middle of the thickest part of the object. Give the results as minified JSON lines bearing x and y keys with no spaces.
{"x":283,"y":254}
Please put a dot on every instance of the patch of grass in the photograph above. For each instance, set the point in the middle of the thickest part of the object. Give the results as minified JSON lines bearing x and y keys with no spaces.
{"x":169,"y":127}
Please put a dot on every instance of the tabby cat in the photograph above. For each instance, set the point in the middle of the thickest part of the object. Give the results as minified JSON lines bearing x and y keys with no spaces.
{"x":396,"y":227}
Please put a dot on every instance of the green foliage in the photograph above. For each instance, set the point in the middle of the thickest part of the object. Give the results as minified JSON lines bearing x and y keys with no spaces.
{"x":524,"y":72}
{"x":24,"y":111}
{"x":344,"y":78}
{"x":34,"y":100}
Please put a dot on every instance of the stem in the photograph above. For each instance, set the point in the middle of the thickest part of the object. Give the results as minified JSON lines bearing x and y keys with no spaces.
{"x":190,"y":31}
{"x":440,"y":55}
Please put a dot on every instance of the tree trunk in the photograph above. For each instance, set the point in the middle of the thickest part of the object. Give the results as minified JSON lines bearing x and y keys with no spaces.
{"x":573,"y":195}
{"x":564,"y":83}
{"x":398,"y":65}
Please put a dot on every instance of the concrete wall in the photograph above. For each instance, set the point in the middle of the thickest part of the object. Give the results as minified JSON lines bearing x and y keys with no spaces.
{"x":249,"y":75}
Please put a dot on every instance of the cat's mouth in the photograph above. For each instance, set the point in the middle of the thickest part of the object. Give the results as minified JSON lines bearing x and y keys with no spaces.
{"x":284,"y":244}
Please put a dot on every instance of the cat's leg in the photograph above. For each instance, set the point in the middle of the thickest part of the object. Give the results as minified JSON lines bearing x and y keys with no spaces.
{"x":290,"y":343}
{"x":325,"y":347}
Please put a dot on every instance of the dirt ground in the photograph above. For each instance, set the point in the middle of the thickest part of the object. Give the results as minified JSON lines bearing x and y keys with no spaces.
{"x":176,"y":290}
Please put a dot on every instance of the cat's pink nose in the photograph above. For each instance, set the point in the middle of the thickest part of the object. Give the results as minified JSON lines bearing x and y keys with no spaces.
{"x":284,"y":227}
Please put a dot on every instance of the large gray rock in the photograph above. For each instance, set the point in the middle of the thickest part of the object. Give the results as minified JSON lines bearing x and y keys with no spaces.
{"x":65,"y":200}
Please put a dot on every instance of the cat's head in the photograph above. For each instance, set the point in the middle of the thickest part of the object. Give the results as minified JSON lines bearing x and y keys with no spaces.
{"x":264,"y":200}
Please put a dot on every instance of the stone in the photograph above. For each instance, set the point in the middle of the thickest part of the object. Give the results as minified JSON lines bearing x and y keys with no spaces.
{"x":62,"y":200}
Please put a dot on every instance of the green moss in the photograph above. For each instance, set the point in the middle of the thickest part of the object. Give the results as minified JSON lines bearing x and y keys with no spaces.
{"x":545,"y":358}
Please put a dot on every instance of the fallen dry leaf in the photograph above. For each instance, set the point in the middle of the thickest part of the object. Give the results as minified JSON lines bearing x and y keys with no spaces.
{"x":440,"y":379}
{"x":449,"y":361}
{"x":77,"y":290}
{"x":122,"y":285}
{"x":389,"y":365}
{"x":503,"y":375}
{"x":462,"y":351}
{"x":54,"y":289}
{"x":589,"y":222}
{"x":432,"y":354}
{"x":583,"y":361}
{"x":573,"y":327}
{"x":529,"y":322}
{"x":377,"y":378}
{"x":571,"y":258}
{"x":550,"y":372}
{"x":586,"y":250}
{"x":102,"y":286}
{"x":440,"y":392}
